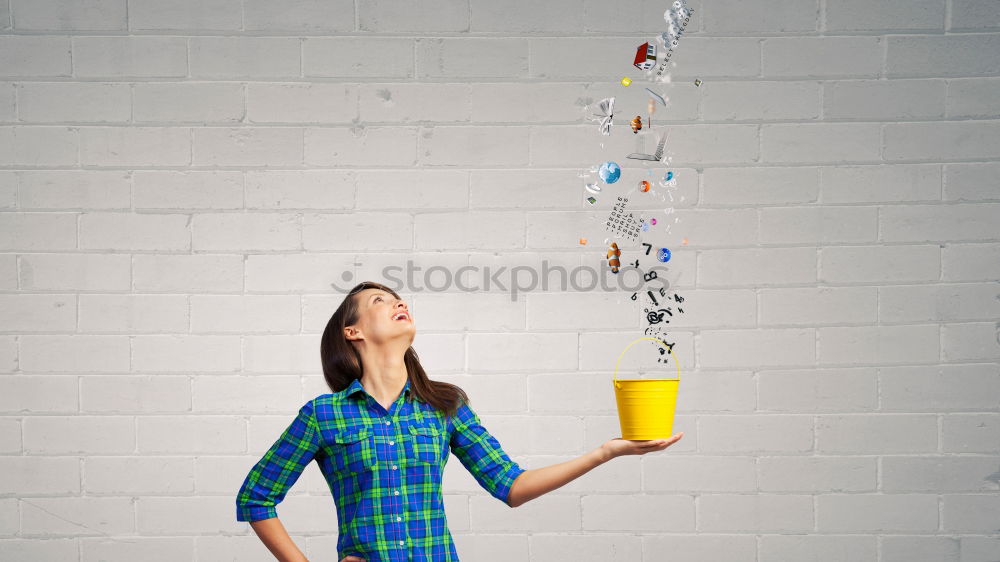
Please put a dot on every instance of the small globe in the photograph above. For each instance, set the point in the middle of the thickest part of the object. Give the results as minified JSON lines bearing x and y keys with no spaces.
{"x":610,"y":172}
{"x":663,"y":255}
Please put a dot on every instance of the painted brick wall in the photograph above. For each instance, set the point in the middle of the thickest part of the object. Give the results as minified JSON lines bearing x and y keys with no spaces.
{"x":181,"y":182}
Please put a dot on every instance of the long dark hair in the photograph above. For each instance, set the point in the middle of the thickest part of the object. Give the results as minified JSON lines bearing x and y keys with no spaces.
{"x":342,"y":363}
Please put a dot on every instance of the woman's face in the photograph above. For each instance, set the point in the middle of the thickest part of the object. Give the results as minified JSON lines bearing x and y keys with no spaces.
{"x":381,"y":317}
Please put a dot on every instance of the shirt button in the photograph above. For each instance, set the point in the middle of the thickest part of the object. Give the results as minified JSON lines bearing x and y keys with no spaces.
{"x":394,"y":467}
{"x":399,"y":518}
{"x":388,"y":423}
{"x":391,"y":442}
{"x":396,"y":492}
{"x":401,"y":543}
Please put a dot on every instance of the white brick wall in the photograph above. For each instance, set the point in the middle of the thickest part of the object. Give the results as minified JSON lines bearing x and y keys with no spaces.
{"x":181,"y":182}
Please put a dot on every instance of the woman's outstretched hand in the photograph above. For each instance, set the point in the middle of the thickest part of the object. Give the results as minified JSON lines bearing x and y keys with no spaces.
{"x":618,"y":446}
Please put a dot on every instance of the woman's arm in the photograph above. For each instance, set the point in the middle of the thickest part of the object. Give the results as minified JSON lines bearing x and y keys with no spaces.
{"x":271,"y":478}
{"x":274,"y":536}
{"x":539,"y":481}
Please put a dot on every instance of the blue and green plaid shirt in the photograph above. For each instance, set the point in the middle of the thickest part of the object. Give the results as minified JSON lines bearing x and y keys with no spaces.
{"x":384,"y":469}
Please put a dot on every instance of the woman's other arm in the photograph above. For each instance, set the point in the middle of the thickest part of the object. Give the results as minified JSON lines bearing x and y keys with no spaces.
{"x":539,"y":481}
{"x":274,"y":536}
{"x":272,"y":477}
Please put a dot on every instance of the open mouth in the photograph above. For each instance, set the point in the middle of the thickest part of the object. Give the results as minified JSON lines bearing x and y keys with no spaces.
{"x":401,"y":316}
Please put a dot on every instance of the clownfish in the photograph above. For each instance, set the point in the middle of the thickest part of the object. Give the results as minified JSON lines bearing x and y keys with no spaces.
{"x":613,"y":255}
{"x":636,"y":124}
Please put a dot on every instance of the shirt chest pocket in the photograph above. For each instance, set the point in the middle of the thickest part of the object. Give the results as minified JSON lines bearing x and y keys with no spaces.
{"x":354,"y":450}
{"x":424,"y":445}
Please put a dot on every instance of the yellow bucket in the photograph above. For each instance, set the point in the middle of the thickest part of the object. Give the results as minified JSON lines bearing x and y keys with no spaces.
{"x":646,"y":406}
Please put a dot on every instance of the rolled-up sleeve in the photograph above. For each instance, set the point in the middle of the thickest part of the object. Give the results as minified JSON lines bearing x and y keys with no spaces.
{"x":270,"y":479}
{"x":482,"y":454}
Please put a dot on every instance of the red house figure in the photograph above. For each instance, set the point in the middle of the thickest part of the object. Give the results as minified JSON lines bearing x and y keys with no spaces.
{"x":645,"y":56}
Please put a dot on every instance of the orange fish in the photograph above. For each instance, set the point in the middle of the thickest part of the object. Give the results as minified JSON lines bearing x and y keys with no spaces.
{"x":636,"y":124}
{"x":613,"y":255}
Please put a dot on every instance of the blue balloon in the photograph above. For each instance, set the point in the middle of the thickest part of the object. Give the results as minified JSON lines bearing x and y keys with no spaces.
{"x":663,"y":255}
{"x":610,"y":172}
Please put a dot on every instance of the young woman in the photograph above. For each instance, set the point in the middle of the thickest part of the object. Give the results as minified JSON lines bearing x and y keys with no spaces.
{"x":382,"y":439}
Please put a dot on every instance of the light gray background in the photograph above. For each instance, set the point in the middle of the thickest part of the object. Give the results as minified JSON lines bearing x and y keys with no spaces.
{"x":182,"y":180}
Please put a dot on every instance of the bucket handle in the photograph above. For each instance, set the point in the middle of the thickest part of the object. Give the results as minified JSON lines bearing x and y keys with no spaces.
{"x":622,"y":354}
